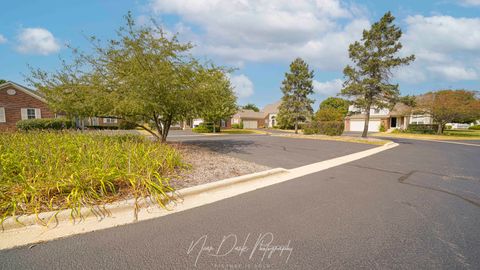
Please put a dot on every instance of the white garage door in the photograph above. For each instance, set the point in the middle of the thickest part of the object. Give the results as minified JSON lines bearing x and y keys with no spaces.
{"x":357,"y":125}
{"x":250,"y":124}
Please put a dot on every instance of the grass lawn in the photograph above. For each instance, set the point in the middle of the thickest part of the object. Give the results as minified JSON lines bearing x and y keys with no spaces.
{"x":51,"y":171}
{"x":242,"y":131}
{"x":448,"y":135}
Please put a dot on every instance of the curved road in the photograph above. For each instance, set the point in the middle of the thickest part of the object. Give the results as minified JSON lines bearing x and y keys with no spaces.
{"x":416,"y":206}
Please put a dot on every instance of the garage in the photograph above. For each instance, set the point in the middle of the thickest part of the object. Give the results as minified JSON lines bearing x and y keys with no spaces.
{"x":250,"y":124}
{"x":357,"y":125}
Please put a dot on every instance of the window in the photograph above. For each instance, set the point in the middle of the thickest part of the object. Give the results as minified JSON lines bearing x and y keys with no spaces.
{"x":2,"y":115}
{"x":31,"y":114}
{"x":376,"y":111}
{"x":110,"y":120}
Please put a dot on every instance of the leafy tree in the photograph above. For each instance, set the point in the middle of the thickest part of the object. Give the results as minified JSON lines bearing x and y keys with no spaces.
{"x":408,"y":100}
{"x":251,"y":106}
{"x":296,"y":106}
{"x":447,"y":106}
{"x":335,"y":103}
{"x":329,"y":114}
{"x":2,"y":81}
{"x":142,"y":77}
{"x":218,"y":100}
{"x":368,"y":81}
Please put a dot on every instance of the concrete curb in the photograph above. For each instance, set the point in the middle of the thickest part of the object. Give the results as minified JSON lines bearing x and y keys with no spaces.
{"x":47,"y":218}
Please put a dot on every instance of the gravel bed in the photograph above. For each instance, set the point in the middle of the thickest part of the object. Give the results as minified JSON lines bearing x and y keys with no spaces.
{"x":209,"y":166}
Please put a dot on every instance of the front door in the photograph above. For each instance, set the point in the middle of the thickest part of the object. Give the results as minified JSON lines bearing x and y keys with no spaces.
{"x":393,"y":122}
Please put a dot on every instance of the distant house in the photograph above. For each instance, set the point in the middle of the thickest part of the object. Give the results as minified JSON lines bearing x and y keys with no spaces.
{"x":271,"y":110}
{"x":249,"y":118}
{"x":399,"y":117}
{"x":18,"y":102}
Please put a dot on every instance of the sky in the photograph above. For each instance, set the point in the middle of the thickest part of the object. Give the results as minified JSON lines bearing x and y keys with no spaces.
{"x":259,"y":38}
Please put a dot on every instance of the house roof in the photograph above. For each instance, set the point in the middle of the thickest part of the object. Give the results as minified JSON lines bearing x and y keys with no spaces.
{"x":272,"y":108}
{"x":24,"y":89}
{"x":249,"y":114}
{"x":362,"y":116}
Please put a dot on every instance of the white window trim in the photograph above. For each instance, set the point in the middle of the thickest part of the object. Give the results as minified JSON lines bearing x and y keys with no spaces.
{"x":3,"y":117}
{"x":24,"y":113}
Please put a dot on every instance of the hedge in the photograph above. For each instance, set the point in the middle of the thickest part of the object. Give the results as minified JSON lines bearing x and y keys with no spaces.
{"x":45,"y":123}
{"x":422,"y":128}
{"x":206,"y":128}
{"x":330,"y":128}
{"x":476,"y":127}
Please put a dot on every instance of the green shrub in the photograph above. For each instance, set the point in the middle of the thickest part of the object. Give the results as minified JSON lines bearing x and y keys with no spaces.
{"x":448,"y":126}
{"x":237,"y":126}
{"x":422,"y":128}
{"x":329,"y":114}
{"x":50,"y":171}
{"x":382,"y":128}
{"x":126,"y":125}
{"x":331,"y":128}
{"x":45,"y":123}
{"x":476,"y":127}
{"x":206,"y":128}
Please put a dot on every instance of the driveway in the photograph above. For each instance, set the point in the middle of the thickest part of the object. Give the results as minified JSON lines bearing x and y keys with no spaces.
{"x":415,"y":206}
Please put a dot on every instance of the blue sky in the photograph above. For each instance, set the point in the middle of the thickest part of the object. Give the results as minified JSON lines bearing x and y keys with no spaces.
{"x":260,"y":38}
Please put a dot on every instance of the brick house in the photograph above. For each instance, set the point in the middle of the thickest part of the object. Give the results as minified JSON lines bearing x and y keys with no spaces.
{"x":18,"y":102}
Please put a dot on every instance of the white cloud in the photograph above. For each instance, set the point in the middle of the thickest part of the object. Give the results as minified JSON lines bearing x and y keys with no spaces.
{"x":37,"y":41}
{"x":454,"y":73}
{"x":446,"y":49}
{"x":265,"y":31}
{"x":2,"y":39}
{"x":329,"y":88}
{"x":243,"y":86}
{"x":470,"y":2}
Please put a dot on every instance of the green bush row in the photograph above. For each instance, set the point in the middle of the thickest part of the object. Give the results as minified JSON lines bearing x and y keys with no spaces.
{"x":206,"y":128}
{"x":330,"y":128}
{"x":422,"y":128}
{"x":45,"y":123}
{"x":476,"y":127}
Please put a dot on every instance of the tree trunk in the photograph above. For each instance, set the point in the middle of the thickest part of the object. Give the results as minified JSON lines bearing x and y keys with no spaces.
{"x":440,"y":128}
{"x":166,"y":129}
{"x":296,"y":125}
{"x":213,"y":126}
{"x":367,"y":120}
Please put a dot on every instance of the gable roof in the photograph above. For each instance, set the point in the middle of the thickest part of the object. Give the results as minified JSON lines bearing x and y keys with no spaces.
{"x":272,"y":108}
{"x":24,"y":89}
{"x":250,"y":114}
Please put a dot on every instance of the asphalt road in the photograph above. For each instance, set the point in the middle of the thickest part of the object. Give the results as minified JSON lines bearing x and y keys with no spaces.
{"x":412,"y":207}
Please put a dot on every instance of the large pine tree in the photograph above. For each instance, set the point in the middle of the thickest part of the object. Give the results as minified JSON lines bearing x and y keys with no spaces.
{"x":368,"y":81}
{"x":296,"y":106}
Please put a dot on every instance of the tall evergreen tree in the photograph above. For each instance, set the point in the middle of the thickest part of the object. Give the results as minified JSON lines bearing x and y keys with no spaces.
{"x":368,"y":81}
{"x":296,"y":106}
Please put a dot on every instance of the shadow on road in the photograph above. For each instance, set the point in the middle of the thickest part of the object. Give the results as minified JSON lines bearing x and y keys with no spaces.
{"x":223,"y":146}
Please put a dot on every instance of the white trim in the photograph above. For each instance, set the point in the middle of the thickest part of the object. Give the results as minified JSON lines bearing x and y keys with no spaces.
{"x":3,"y":117}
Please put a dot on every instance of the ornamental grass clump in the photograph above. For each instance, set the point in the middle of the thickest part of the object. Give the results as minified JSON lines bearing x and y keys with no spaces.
{"x":51,"y":171}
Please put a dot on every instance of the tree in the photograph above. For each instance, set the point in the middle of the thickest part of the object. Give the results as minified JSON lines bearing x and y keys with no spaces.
{"x":447,"y":106}
{"x":338,"y":104}
{"x":368,"y":81}
{"x":2,"y":81}
{"x":218,"y":100}
{"x":251,"y":106}
{"x":142,"y":77}
{"x":296,"y":87}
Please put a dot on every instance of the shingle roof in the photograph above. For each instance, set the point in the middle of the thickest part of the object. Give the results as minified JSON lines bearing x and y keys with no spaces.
{"x":272,"y":108}
{"x":242,"y":114}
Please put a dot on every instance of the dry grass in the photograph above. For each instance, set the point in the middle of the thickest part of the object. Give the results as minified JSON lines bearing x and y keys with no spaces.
{"x":426,"y":136}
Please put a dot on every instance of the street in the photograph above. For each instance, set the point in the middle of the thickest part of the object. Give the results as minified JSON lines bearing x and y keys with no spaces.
{"x":415,"y":206}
